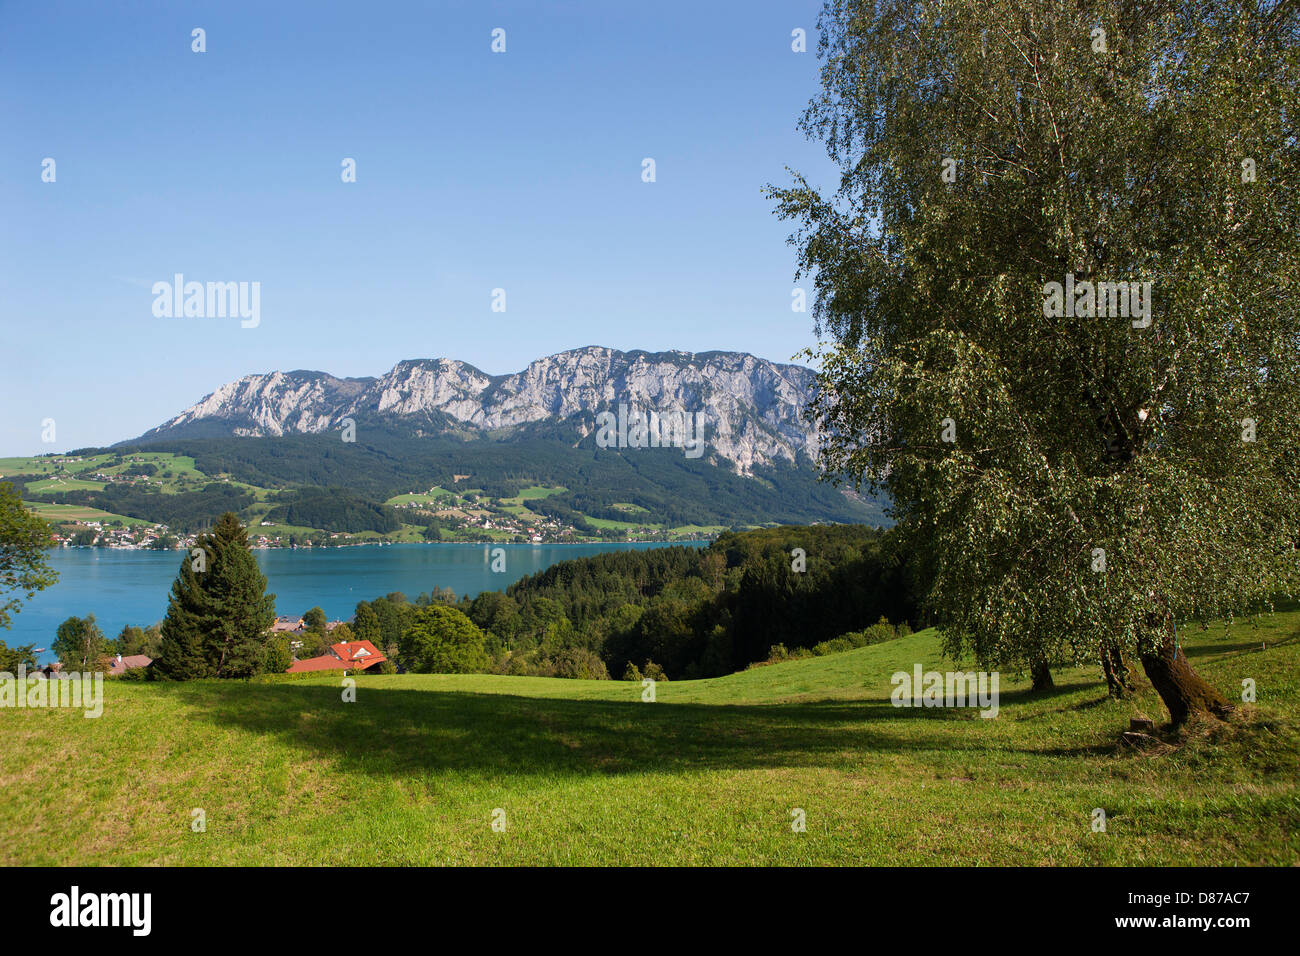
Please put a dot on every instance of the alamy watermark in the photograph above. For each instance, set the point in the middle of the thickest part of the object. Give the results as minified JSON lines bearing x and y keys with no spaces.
{"x":213,"y":300}
{"x":72,"y":690}
{"x":637,"y":429}
{"x":75,"y":908}
{"x":1098,"y":300}
{"x":953,"y":689}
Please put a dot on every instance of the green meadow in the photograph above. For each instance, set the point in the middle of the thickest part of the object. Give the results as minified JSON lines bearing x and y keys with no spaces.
{"x":59,"y":513}
{"x":712,"y":772}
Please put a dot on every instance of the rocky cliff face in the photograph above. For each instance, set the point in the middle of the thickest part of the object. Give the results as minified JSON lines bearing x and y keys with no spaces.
{"x":752,"y":407}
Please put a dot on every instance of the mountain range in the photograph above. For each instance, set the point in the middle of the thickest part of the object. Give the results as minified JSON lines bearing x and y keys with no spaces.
{"x":437,"y":448}
{"x":752,"y":408}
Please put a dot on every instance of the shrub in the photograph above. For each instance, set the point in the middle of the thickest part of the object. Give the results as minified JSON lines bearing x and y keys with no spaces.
{"x":653,"y":671}
{"x":880,"y":632}
{"x":276,"y":656}
{"x":578,"y":663}
{"x":877,"y":633}
{"x":514,"y":665}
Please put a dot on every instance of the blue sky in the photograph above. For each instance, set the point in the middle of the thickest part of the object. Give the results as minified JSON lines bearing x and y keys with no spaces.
{"x":475,"y":171}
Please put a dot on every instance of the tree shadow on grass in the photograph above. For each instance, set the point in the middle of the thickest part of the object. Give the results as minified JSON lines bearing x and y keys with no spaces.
{"x":1026,"y":695}
{"x":403,"y":732}
{"x":1242,"y":647}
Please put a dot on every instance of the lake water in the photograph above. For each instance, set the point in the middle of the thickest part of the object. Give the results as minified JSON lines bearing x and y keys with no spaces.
{"x":131,"y":587}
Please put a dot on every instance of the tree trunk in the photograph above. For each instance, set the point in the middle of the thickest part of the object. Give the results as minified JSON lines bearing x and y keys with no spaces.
{"x":1118,"y":671}
{"x":1183,"y":692}
{"x":1042,"y":676}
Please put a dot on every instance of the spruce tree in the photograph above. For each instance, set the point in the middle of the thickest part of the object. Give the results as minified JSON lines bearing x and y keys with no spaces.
{"x":219,"y":613}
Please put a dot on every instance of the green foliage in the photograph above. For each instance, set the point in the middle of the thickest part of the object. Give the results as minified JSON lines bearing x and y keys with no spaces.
{"x":24,"y":561}
{"x":654,"y":672}
{"x":181,"y":511}
{"x":11,"y":658}
{"x":392,"y":617}
{"x":780,"y":653}
{"x":439,"y":595}
{"x":703,"y":612}
{"x":674,"y":490}
{"x":578,"y":663}
{"x":314,"y":617}
{"x":1068,"y":439}
{"x":276,"y":656}
{"x":310,"y":643}
{"x":495,"y":612}
{"x":877,"y":633}
{"x":218,"y":617}
{"x":133,"y":640}
{"x":698,"y":612}
{"x":365,"y":624}
{"x":334,"y":509}
{"x":442,"y":640}
{"x":80,"y":645}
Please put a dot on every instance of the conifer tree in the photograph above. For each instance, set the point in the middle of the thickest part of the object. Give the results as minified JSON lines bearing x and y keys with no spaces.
{"x":219,"y":614}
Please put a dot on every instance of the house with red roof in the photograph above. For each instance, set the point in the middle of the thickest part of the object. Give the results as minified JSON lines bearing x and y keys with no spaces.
{"x":348,"y":656}
{"x":120,"y":664}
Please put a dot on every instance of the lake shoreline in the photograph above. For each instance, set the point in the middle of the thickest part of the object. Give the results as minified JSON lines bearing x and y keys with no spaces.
{"x":130,"y":586}
{"x":390,"y":544}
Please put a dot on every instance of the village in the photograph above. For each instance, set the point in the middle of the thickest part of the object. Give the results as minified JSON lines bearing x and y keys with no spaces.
{"x":345,"y":654}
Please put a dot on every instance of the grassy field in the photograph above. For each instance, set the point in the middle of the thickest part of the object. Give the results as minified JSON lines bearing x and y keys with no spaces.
{"x":429,"y":497}
{"x":585,"y":772}
{"x":55,"y":485}
{"x":41,"y":465}
{"x":58,"y":513}
{"x":605,"y":523}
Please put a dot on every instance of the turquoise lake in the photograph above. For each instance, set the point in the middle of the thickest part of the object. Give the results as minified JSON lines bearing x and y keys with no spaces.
{"x":131,"y":587}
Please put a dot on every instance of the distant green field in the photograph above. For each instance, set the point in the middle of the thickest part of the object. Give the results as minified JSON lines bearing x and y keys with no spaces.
{"x":710,"y":773}
{"x":518,"y":505}
{"x":57,"y":513}
{"x":44,"y":466}
{"x":175,"y":472}
{"x":534,"y":492}
{"x":283,"y":530}
{"x":428,"y":497}
{"x":620,"y":525}
{"x":55,"y":485}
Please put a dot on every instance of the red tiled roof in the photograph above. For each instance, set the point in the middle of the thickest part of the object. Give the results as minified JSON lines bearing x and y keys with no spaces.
{"x":129,"y":661}
{"x":361,"y":654}
{"x":350,"y":655}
